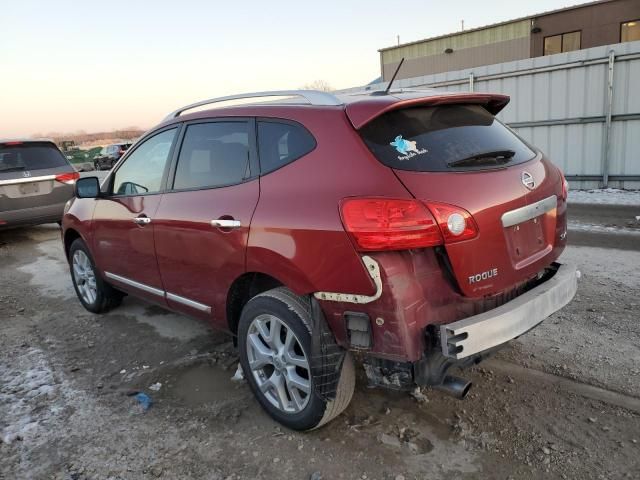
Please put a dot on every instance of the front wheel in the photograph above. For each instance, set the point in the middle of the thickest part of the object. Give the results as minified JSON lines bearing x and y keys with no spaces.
{"x":95,"y":294}
{"x":274,"y":338}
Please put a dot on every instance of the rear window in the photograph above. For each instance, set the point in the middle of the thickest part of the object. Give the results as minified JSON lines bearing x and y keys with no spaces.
{"x":30,"y":156}
{"x":443,"y":138}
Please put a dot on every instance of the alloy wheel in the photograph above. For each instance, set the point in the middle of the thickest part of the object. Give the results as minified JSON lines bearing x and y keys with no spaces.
{"x":278,"y":364}
{"x":84,"y":277}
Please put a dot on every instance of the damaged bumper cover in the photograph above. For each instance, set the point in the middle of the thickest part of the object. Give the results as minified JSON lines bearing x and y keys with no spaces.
{"x":490,"y":329}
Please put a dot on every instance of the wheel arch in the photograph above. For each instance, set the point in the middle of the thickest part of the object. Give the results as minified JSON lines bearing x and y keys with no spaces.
{"x":70,"y":236}
{"x":243,"y":289}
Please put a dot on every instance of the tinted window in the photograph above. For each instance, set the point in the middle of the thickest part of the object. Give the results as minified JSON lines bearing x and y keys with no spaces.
{"x":445,"y":138}
{"x":213,"y":155}
{"x":566,"y":42}
{"x":30,"y":156}
{"x":281,"y":143}
{"x":142,"y":171}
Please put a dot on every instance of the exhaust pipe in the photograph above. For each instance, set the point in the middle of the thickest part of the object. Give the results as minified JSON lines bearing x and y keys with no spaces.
{"x":455,"y":386}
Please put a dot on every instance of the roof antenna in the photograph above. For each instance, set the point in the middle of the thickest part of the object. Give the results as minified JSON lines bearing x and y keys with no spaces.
{"x":386,"y":90}
{"x":394,"y":76}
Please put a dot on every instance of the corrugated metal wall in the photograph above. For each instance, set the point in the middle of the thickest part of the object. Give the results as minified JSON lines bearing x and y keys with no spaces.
{"x":560,"y":104}
{"x":458,"y":41}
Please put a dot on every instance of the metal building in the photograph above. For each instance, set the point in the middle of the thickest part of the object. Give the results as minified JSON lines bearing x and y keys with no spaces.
{"x":589,"y":25}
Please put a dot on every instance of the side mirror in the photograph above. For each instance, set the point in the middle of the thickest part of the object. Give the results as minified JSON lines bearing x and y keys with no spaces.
{"x":87,"y":187}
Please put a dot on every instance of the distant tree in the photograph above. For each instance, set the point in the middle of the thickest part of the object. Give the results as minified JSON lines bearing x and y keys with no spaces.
{"x":321,"y":85}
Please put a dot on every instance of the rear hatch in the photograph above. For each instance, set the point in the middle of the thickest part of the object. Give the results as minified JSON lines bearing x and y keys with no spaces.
{"x":460,"y":154}
{"x":33,"y":174}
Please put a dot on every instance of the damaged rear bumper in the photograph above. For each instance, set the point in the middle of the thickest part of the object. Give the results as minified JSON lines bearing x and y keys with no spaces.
{"x":490,"y":329}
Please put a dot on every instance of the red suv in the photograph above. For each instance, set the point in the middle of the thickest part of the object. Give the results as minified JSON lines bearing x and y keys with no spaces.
{"x":411,"y":229}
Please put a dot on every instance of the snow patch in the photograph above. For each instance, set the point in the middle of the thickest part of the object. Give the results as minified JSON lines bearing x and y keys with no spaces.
{"x":49,"y":274}
{"x":592,"y":227}
{"x":27,"y":389}
{"x":605,"y":196}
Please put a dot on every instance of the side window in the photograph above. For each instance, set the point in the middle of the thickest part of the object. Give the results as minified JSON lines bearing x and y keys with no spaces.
{"x":213,"y":155}
{"x":142,"y":171}
{"x":281,"y":143}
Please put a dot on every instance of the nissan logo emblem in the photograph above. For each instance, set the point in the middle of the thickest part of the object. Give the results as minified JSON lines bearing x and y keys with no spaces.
{"x":528,"y":181}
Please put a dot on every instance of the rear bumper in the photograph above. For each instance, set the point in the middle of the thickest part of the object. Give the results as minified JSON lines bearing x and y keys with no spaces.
{"x":490,"y":329}
{"x":32,"y":216}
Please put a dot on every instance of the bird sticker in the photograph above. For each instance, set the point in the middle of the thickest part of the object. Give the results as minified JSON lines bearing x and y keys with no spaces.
{"x":407,"y":148}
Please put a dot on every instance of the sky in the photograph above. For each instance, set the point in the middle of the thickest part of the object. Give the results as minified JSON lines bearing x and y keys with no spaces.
{"x":94,"y":65}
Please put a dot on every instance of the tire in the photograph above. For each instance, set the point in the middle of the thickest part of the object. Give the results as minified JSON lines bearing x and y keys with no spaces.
{"x":280,"y":310}
{"x":94,"y":293}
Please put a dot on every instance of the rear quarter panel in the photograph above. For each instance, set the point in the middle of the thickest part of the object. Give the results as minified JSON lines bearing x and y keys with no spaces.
{"x":296,"y":232}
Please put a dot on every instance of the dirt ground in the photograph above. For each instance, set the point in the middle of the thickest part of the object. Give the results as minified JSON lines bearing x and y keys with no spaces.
{"x":561,"y":402}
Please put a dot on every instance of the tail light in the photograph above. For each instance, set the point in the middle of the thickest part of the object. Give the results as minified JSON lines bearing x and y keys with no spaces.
{"x":68,"y":178}
{"x":565,"y":186}
{"x":455,"y":223}
{"x":389,"y":224}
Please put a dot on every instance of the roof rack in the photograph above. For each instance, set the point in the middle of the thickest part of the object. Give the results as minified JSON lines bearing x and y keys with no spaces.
{"x":314,"y":97}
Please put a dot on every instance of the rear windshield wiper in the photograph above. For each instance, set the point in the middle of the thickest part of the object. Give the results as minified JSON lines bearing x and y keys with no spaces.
{"x":498,"y":157}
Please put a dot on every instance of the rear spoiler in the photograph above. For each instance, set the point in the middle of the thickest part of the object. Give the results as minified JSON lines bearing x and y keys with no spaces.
{"x":362,"y":112}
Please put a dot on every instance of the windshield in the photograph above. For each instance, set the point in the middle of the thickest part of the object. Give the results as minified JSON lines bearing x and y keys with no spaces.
{"x":443,"y":138}
{"x":30,"y":156}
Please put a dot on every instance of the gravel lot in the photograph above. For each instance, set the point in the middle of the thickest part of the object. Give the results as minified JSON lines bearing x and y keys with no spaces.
{"x":560,"y":402}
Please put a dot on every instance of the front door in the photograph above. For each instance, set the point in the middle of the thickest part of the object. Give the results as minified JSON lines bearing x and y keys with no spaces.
{"x":123,"y":220}
{"x":202,"y":224}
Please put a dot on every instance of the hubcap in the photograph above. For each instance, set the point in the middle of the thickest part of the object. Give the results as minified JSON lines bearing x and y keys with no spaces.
{"x":278,"y":364}
{"x":84,"y":277}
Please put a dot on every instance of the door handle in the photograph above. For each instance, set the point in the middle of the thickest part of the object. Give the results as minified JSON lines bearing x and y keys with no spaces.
{"x":224,"y":223}
{"x":142,"y":220}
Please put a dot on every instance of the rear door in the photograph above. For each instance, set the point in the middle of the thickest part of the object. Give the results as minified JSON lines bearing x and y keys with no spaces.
{"x":202,"y":224}
{"x":123,"y":220}
{"x":461,"y":155}
{"x":34,"y":176}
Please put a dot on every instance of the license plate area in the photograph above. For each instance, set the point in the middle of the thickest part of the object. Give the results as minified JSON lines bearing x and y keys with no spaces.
{"x":29,"y":188}
{"x":527,"y":241}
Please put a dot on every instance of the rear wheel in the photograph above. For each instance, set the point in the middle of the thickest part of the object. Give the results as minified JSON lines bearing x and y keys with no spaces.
{"x":274,"y":337}
{"x":95,"y":294}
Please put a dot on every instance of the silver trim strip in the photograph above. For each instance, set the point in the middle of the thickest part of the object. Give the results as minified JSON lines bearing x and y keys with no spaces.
{"x":492,"y":328}
{"x":15,"y":181}
{"x":528,"y":212}
{"x":133,"y":283}
{"x":374,"y":271}
{"x":189,"y":303}
{"x":314,"y":97}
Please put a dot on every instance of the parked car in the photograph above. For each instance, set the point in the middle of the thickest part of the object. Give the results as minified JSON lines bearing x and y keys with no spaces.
{"x":412,"y":229}
{"x":36,"y":181}
{"x":109,"y":155}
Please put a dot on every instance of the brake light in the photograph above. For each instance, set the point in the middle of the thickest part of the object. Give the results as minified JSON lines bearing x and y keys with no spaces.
{"x":456,"y":224}
{"x":68,"y":178}
{"x":8,"y":144}
{"x":389,"y":224}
